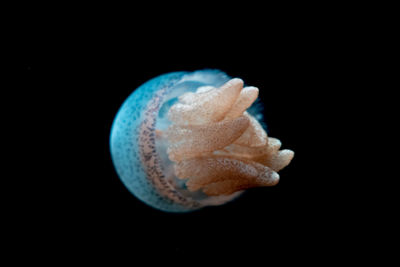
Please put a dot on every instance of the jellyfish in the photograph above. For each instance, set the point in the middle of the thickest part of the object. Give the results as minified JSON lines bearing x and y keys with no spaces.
{"x":186,"y":140}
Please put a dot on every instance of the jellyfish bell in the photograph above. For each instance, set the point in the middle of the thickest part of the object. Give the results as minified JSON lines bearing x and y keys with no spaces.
{"x":186,"y":140}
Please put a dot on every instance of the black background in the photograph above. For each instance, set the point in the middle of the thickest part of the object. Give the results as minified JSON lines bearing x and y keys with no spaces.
{"x":79,"y":74}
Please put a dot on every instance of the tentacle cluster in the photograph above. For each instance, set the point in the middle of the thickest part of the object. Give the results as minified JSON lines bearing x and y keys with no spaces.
{"x":219,"y":147}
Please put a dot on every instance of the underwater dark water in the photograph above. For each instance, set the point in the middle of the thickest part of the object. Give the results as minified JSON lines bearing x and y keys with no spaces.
{"x":85,"y":80}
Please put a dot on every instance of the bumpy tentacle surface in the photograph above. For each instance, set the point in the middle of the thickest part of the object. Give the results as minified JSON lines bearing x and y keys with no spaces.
{"x":217,"y":146}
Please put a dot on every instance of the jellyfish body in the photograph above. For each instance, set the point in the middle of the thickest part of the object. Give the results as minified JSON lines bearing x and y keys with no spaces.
{"x":185,"y":140}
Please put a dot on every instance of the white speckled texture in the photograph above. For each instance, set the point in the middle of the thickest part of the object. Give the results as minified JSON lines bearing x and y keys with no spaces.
{"x":125,"y":143}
